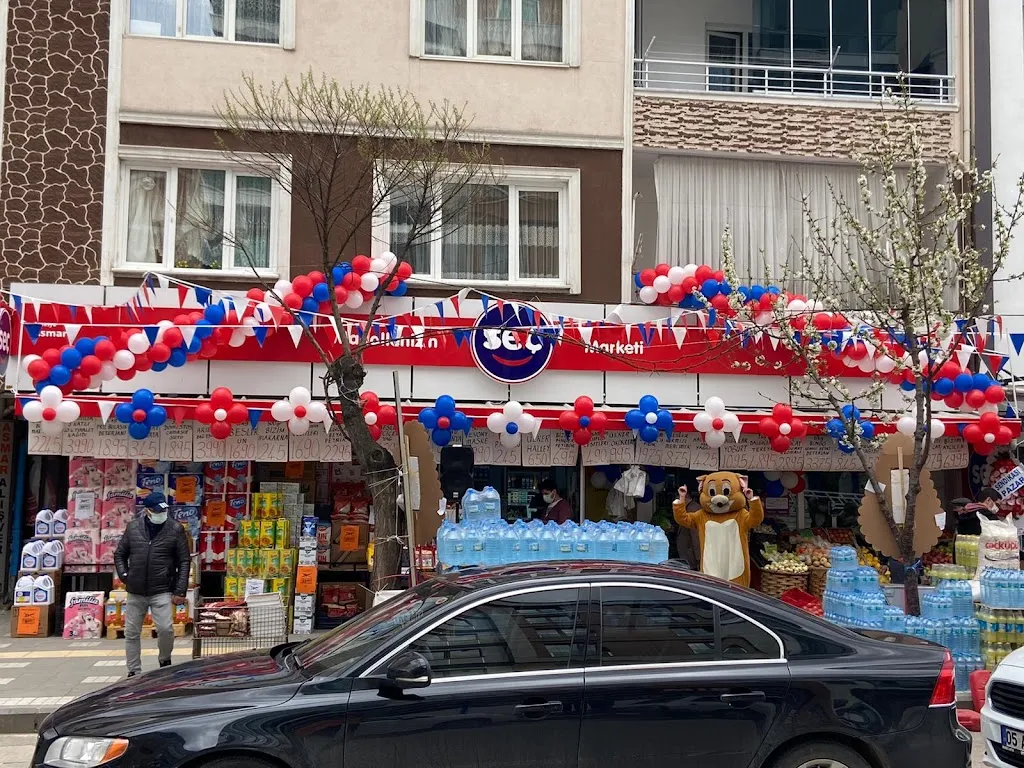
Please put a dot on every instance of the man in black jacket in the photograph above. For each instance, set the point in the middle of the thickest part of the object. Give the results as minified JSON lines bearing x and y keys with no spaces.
{"x":152,"y":560}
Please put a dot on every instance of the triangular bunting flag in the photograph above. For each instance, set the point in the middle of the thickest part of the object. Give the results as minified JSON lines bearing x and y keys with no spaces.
{"x":296,"y":333}
{"x":586,"y":333}
{"x":178,"y":415}
{"x":33,"y":330}
{"x":182,"y":294}
{"x":254,"y":418}
{"x":88,"y":312}
{"x":774,"y":340}
{"x":73,"y":311}
{"x":996,"y":363}
{"x":151,"y":331}
{"x":536,"y":427}
{"x":203,"y":295}
{"x":106,"y":408}
{"x":1017,"y":339}
{"x":392,"y":328}
{"x":17,"y":303}
{"x":163,"y":281}
{"x":260,"y":332}
{"x":440,"y":308}
{"x":461,"y":336}
{"x":646,"y":334}
{"x":1010,"y":412}
{"x":188,"y":332}
{"x":485,"y":301}
{"x":72,"y":330}
{"x":35,"y":307}
{"x":679,"y":331}
{"x":963,"y":354}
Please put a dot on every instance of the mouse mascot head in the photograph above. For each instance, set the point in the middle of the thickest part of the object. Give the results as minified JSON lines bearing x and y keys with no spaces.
{"x":728,"y":510}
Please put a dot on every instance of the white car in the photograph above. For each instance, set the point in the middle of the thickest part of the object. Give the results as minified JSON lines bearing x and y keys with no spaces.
{"x":1002,"y":717}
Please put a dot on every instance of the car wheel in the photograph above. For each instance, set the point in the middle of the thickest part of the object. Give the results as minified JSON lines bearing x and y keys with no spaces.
{"x":821,"y":754}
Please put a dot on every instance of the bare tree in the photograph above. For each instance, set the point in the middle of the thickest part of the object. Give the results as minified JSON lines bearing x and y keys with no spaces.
{"x":907,"y":275}
{"x":345,"y":154}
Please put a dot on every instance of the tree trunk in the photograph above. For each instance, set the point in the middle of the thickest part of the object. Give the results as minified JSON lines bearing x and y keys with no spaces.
{"x":380,"y":471}
{"x":911,"y":597}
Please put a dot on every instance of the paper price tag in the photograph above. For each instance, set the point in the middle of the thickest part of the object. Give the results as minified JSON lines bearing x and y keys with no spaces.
{"x":948,"y":453}
{"x":482,"y":442}
{"x":216,"y":514}
{"x":79,"y":438}
{"x":702,"y":456}
{"x":143,"y":450}
{"x":305,"y":580}
{"x":112,"y":441}
{"x":176,"y":442}
{"x":819,"y":453}
{"x":186,"y":489}
{"x":272,"y":442}
{"x":504,"y":455}
{"x":790,"y":461}
{"x":242,"y":444}
{"x":336,"y":448}
{"x":389,"y":441}
{"x":205,"y":447}
{"x":564,"y":451}
{"x":254,"y":587}
{"x":613,"y":448}
{"x":752,"y":452}
{"x":44,"y":445}
{"x":537,"y":453}
{"x":307,"y":447}
{"x":664,"y":452}
{"x":29,"y":619}
{"x":348,"y":541}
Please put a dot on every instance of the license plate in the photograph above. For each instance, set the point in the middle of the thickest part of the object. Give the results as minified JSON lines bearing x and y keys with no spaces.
{"x":1013,"y":740}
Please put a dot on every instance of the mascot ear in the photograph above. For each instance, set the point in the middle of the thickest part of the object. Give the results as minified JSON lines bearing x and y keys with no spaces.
{"x":700,"y":483}
{"x":743,"y":481}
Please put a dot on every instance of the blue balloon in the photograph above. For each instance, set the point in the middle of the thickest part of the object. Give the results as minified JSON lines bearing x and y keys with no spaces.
{"x":711,"y":288}
{"x":744,"y":291}
{"x":178,"y":358}
{"x":337,"y":275}
{"x":636,"y":281}
{"x":691,"y":302}
{"x":85,"y":346}
{"x":512,"y":428}
{"x":756,"y":292}
{"x":204,"y":328}
{"x":649,"y":433}
{"x":459,"y":422}
{"x":773,"y":488}
{"x":215,"y":314}
{"x":345,"y":268}
{"x":428,"y":418}
{"x":655,"y":475}
{"x":159,"y":367}
{"x":71,"y":358}
{"x":305,"y":318}
{"x":584,"y":421}
{"x":724,"y":288}
{"x":143,"y":398}
{"x":850,"y":413}
{"x":835,"y":428}
{"x":648,"y":494}
{"x":846,"y":448}
{"x":445,"y":406}
{"x":309,"y":304}
{"x":321,"y":293}
{"x":195,"y":346}
{"x":441,"y":437}
{"x":943,"y":386}
{"x":774,"y":290}
{"x":963,"y":383}
{"x":649,"y":404}
{"x":124,"y":412}
{"x":665,"y":422}
{"x":867,"y":429}
{"x":469,"y":425}
{"x":42,"y":384}
{"x":401,"y":289}
{"x":635,"y":419}
{"x":60,"y":375}
{"x":157,"y":416}
{"x":908,"y":386}
{"x":139,"y":430}
{"x":982,"y":381}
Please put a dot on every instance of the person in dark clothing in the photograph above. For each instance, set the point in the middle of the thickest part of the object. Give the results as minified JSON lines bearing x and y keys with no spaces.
{"x":152,"y":559}
{"x":557,"y":508}
{"x":985,"y":504}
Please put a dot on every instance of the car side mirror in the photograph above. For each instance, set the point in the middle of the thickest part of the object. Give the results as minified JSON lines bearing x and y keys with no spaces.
{"x":410,"y":670}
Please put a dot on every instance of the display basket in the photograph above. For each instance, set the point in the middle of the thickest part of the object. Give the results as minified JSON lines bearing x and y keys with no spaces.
{"x":774,"y":584}
{"x":816,"y":582}
{"x":223,"y":625}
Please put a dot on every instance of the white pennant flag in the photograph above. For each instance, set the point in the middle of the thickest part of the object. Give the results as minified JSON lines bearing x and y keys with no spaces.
{"x":586,"y":333}
{"x":774,"y":340}
{"x":106,"y":408}
{"x":337,"y":328}
{"x":188,"y":332}
{"x":679,"y":331}
{"x":88,"y":311}
{"x":536,"y":427}
{"x":963,"y":355}
{"x":296,"y":334}
{"x":72,"y":330}
{"x":163,"y":281}
{"x":736,"y":432}
{"x":35,"y":306}
{"x":328,"y":423}
{"x":658,"y":328}
{"x":629,"y":329}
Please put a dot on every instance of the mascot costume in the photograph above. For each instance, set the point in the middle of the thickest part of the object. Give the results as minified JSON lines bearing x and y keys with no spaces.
{"x":728,"y":511}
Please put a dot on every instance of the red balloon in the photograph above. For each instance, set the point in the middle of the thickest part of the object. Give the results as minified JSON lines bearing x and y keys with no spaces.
{"x":183,"y":319}
{"x":387,"y":416}
{"x":989,"y":421}
{"x":444,"y":422}
{"x":581,"y":436}
{"x":351,"y":281}
{"x":138,"y":415}
{"x":675,"y":294}
{"x":584,"y":405}
{"x":340,"y":294}
{"x":975,"y":398}
{"x":40,"y":369}
{"x":370,"y":400}
{"x":256,"y":294}
{"x":995,"y":394}
{"x":222,"y":334}
{"x":720,"y":303}
{"x":954,"y":399}
{"x":105,"y":350}
{"x":857,"y":351}
{"x":360,"y":264}
{"x":598,"y":422}
{"x":974,"y":434}
{"x":949,"y":370}
{"x":238,"y":414}
{"x":718,"y":275}
{"x":52,"y":356}
{"x":159,"y":352}
{"x":782,"y":412}
{"x":126,"y":375}
{"x":195,"y":317}
{"x":704,"y":272}
{"x":661,"y":269}
{"x":569,"y":421}
{"x":839,"y":322}
{"x":781,"y":443}
{"x":91,"y":365}
{"x":375,"y":431}
{"x":799,"y":429}
{"x":983,"y":449}
{"x":367,"y":295}
{"x":1004,"y":435}
{"x":647,"y":276}
{"x":80,"y":381}
{"x":208,"y":349}
{"x":143,"y":363}
{"x":393,"y":284}
{"x":663,"y":300}
{"x":768,"y":427}
{"x":316,"y":277}
{"x":689,"y":285}
{"x":172,"y":338}
{"x":221,"y":397}
{"x":302,"y":285}
{"x":67,"y":389}
{"x":767,"y":302}
{"x":823,"y":321}
{"x":293,"y":301}
{"x":221,"y":430}
{"x":204,"y":413}
{"x":404,"y":271}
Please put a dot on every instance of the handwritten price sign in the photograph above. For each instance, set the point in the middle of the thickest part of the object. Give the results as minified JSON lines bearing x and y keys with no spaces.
{"x":945,"y":453}
{"x":80,"y":438}
{"x":389,"y":441}
{"x":820,"y":453}
{"x":43,"y":445}
{"x":752,"y":452}
{"x":564,"y":451}
{"x":664,"y":452}
{"x":537,"y":453}
{"x":144,"y":450}
{"x":242,"y":444}
{"x":336,"y":449}
{"x":503,"y":455}
{"x":176,"y":442}
{"x":272,"y":442}
{"x":702,"y":456}
{"x":790,"y":461}
{"x":482,"y":443}
{"x":613,"y":448}
{"x":307,"y":447}
{"x":112,"y":441}
{"x":205,"y":447}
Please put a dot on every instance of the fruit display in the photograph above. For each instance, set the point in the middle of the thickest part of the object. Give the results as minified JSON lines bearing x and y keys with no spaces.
{"x":784,"y":562}
{"x":866,"y":557}
{"x":814,"y":553}
{"x":767,"y":530}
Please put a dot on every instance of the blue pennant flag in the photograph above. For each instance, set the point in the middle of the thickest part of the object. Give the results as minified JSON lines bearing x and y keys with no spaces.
{"x":461,"y":336}
{"x":961,"y":323}
{"x":485,"y":300}
{"x":17,"y":303}
{"x":712,"y":317}
{"x":203,"y":295}
{"x":33,"y":330}
{"x":646,"y":333}
{"x":1017,"y":339}
{"x":440,"y":308}
{"x":23,"y":401}
{"x":73,"y":310}
{"x":260,"y":332}
{"x":1010,"y":413}
{"x":254,"y":418}
{"x":151,"y":333}
{"x":131,"y":311}
{"x":392,"y":328}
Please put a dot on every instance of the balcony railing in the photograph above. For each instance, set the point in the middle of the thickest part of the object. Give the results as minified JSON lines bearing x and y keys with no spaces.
{"x":772,"y":79}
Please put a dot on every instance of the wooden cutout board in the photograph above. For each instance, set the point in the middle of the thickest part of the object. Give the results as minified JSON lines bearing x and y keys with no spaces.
{"x":427,"y":519}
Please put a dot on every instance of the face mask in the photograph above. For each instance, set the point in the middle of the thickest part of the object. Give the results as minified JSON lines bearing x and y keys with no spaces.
{"x":548,"y":497}
{"x":158,"y":518}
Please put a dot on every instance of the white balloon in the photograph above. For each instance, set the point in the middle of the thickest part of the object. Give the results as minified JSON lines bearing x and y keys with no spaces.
{"x":123,"y":360}
{"x":220,"y":414}
{"x":702,"y":421}
{"x":510,"y":441}
{"x":51,"y":396}
{"x":764,"y":318}
{"x":866,"y":364}
{"x":33,"y":411}
{"x":789,"y":480}
{"x":389,"y":259}
{"x":988,"y":408}
{"x":885,"y":364}
{"x":27,"y":360}
{"x":989,"y":437}
{"x":370,"y":418}
{"x":108,"y":371}
{"x":689,"y":270}
{"x":662,"y":284}
{"x":68,"y":411}
{"x":796,"y":306}
{"x":849,"y":362}
{"x":298,"y":426}
{"x":237,"y":338}
{"x":648,"y":294}
{"x":300,"y":396}
{"x":785,"y":429}
{"x":354,"y":300}
{"x":281,"y":410}
{"x":369,"y":282}
{"x":599,"y":480}
{"x":379,"y":266}
{"x":283,"y":287}
{"x":715,"y":406}
{"x":54,"y":428}
{"x":527,"y":423}
{"x":938,"y":429}
{"x":496,"y":422}
{"x":732,"y":422}
{"x":96,"y":382}
{"x":651,"y":418}
{"x":249,"y":325}
{"x":512,"y":410}
{"x":906,"y":425}
{"x":676,"y":275}
{"x":317,"y":412}
{"x":138,"y":343}
{"x":262,"y":313}
{"x":162,"y":327}
{"x":770,"y":476}
{"x":715,"y":439}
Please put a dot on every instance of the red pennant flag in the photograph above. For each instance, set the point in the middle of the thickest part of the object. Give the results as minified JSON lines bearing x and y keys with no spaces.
{"x":455,"y":304}
{"x":178,"y":414}
{"x":500,"y":303}
{"x":182,"y":295}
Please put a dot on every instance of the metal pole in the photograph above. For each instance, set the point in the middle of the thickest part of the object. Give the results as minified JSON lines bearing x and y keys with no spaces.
{"x":410,"y":514}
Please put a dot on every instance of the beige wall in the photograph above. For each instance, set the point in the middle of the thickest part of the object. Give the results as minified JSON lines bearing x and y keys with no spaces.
{"x":368,"y":42}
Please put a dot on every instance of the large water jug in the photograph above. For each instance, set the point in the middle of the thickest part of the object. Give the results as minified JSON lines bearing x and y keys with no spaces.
{"x":493,"y":542}
{"x":472,"y":506}
{"x":42,"y":590}
{"x":44,"y":522}
{"x":604,"y":548}
{"x":530,"y":545}
{"x":566,"y":540}
{"x":23,"y":590}
{"x":456,"y":547}
{"x":510,"y":550}
{"x":490,"y":506}
{"x":60,"y":522}
{"x":644,"y":543}
{"x":474,"y":545}
{"x":548,"y":544}
{"x":659,"y":546}
{"x":444,"y":543}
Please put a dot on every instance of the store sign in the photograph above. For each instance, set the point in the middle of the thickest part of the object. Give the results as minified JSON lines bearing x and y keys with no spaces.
{"x":5,"y":340}
{"x":1010,"y":483}
{"x":505,"y":349}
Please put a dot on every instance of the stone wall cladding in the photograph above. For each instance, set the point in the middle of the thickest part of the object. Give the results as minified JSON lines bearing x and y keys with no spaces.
{"x":51,"y":185}
{"x":762,"y":128}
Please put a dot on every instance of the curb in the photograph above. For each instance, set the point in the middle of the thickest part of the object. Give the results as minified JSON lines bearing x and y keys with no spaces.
{"x":14,"y":721}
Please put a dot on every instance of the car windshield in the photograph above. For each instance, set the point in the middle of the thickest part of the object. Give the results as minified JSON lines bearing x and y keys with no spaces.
{"x":376,"y":626}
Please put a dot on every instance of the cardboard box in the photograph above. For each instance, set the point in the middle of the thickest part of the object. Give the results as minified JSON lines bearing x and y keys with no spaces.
{"x":33,"y":620}
{"x":349,"y":542}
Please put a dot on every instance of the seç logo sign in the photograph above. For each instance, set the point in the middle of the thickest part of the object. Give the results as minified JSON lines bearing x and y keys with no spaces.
{"x":5,"y":340}
{"x":505,"y":348}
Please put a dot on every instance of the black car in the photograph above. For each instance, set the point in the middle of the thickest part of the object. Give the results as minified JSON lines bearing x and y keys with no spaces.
{"x":560,"y":665}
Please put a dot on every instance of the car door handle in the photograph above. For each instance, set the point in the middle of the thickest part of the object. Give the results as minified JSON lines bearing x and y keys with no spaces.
{"x":539,"y":710}
{"x":742,"y":699}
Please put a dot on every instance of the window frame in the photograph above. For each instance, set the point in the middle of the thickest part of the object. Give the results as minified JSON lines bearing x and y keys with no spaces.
{"x":571,"y":13}
{"x":285,"y":33}
{"x":565,"y":181}
{"x":170,"y":160}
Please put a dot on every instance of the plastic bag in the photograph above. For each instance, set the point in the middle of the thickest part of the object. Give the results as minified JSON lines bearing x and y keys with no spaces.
{"x":998,"y":546}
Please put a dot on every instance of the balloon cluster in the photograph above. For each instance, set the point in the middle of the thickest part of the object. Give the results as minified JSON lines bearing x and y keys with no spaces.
{"x":443,"y":419}
{"x":961,"y":389}
{"x":582,"y":421}
{"x":779,"y":483}
{"x":141,"y":415}
{"x":511,"y":422}
{"x":679,"y":286}
{"x":782,"y":428}
{"x":85,"y":364}
{"x":299,"y":410}
{"x":51,"y":411}
{"x":714,"y":421}
{"x":839,"y":428}
{"x":221,"y":413}
{"x":987,"y":434}
{"x":907,"y":425}
{"x":650,"y":419}
{"x":377,"y":416}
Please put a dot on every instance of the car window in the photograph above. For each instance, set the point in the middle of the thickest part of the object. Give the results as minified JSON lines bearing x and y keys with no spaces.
{"x":521,"y":633}
{"x":652,"y":626}
{"x":742,"y":639}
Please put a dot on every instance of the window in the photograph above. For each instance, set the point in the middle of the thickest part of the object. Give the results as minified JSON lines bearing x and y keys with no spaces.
{"x":742,"y":639}
{"x":525,"y":229}
{"x":188,"y":210}
{"x":523,"y":633}
{"x":513,"y":30}
{"x":240,"y":21}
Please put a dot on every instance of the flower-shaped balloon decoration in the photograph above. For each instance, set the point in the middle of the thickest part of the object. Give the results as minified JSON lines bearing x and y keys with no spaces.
{"x":782,"y":428}
{"x":511,"y":422}
{"x":377,"y":416}
{"x":907,"y":425}
{"x":839,"y":428}
{"x":221,"y":412}
{"x":649,"y":419}
{"x":299,"y":411}
{"x":582,"y":421}
{"x":51,"y":410}
{"x":715,"y":421}
{"x":141,"y":414}
{"x":987,"y":434}
{"x":443,"y":419}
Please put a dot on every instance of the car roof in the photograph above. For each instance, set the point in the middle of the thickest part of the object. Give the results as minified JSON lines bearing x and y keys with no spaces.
{"x":554,"y":572}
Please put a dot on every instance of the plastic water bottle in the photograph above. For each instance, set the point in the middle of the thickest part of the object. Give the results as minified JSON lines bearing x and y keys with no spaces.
{"x":566,"y":546}
{"x":510,"y":552}
{"x":529,"y":545}
{"x":443,"y":552}
{"x":548,"y":542}
{"x":605,"y":545}
{"x":625,"y":551}
{"x":456,"y":547}
{"x":474,"y":545}
{"x":659,"y":546}
{"x":471,"y":505}
{"x":644,"y":544}
{"x":490,"y":504}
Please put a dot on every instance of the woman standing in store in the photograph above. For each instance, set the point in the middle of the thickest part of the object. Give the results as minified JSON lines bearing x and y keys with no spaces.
{"x":558,"y":509}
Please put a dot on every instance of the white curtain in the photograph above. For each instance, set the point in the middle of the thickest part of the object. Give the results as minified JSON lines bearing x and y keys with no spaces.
{"x":147,"y":209}
{"x":199,"y":228}
{"x":760,"y":203}
{"x":542,"y":30}
{"x":253,"y":203}
{"x":411,"y":233}
{"x":154,"y":17}
{"x":476,"y":240}
{"x":258,"y":21}
{"x":445,"y":33}
{"x":494,"y":27}
{"x":538,"y":236}
{"x":205,"y":18}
